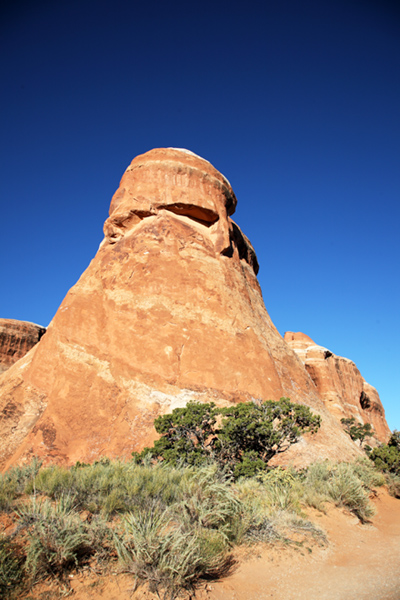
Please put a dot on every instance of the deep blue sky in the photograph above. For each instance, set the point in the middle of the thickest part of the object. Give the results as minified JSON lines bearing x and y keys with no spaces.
{"x":297,"y":102}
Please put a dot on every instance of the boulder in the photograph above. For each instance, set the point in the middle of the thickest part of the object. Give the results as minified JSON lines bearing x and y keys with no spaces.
{"x":16,"y":339}
{"x":168,"y":311}
{"x":340,"y":384}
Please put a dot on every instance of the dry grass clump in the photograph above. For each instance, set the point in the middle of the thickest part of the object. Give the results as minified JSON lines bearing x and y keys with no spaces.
{"x":14,"y":482}
{"x":170,"y":556}
{"x":55,"y":534}
{"x":10,"y":567}
{"x":344,"y":484}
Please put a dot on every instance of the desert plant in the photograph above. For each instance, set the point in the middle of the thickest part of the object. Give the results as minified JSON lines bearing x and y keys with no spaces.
{"x":210,"y":502}
{"x":346,"y":484}
{"x":357,"y":431}
{"x":346,"y":489}
{"x":157,"y":549}
{"x":10,"y":567}
{"x":393,"y":484}
{"x":256,"y":520}
{"x":368,"y":473}
{"x":282,"y":489}
{"x":8,"y":492}
{"x":56,"y":536}
{"x":241,"y":438}
{"x":112,"y":487}
{"x":14,"y":482}
{"x":387,"y":456}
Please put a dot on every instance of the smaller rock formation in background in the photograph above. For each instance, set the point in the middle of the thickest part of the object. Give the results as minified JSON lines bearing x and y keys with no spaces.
{"x":340,"y":384}
{"x":16,"y":339}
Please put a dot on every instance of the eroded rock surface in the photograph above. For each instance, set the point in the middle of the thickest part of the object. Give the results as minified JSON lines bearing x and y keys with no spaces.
{"x":16,"y":339}
{"x":340,"y":384}
{"x":169,"y":310}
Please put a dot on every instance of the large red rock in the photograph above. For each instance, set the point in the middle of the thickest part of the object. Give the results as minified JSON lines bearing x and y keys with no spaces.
{"x":340,"y":384}
{"x":16,"y":339}
{"x":169,"y":310}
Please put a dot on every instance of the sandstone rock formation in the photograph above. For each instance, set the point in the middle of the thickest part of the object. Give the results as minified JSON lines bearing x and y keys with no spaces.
{"x":16,"y":339}
{"x":169,"y":310}
{"x":340,"y":384}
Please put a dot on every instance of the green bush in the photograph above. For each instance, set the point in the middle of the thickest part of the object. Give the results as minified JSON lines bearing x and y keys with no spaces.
{"x":357,"y":431}
{"x":387,"y":456}
{"x":242,"y":438}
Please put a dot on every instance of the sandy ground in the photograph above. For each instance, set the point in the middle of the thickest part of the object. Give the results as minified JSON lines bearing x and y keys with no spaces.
{"x":360,"y":562}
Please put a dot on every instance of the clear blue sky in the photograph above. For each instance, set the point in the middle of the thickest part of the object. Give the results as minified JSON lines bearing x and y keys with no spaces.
{"x":297,"y":102}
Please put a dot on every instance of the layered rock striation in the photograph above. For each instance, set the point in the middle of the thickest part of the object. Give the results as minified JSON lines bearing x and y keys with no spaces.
{"x":16,"y":339}
{"x":168,"y":311}
{"x":340,"y":384}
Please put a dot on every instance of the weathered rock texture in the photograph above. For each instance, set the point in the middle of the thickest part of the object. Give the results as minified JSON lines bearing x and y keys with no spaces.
{"x":16,"y":339}
{"x":340,"y":384}
{"x":169,"y":310}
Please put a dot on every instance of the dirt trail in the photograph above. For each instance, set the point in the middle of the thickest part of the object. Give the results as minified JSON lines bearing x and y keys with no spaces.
{"x":360,"y":562}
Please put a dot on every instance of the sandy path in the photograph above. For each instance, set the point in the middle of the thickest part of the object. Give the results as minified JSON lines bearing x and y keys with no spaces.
{"x":361,"y":562}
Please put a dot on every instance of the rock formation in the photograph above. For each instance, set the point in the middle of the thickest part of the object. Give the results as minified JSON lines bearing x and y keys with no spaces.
{"x":16,"y":339}
{"x":169,"y":310}
{"x":340,"y":384}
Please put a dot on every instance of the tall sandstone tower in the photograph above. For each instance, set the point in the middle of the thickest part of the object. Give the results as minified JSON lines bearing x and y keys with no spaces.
{"x":168,"y":311}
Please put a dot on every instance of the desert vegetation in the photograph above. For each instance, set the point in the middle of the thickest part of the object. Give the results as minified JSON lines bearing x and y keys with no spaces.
{"x":357,"y":431}
{"x":387,"y":459}
{"x":169,"y":523}
{"x":241,"y":438}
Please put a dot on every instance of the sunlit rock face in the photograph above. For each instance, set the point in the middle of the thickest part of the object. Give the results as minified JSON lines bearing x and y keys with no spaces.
{"x":168,"y":311}
{"x":340,"y":384}
{"x":16,"y":339}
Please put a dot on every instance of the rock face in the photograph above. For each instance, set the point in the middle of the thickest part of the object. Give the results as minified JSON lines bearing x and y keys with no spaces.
{"x":16,"y":339}
{"x":169,"y":310}
{"x":340,"y":384}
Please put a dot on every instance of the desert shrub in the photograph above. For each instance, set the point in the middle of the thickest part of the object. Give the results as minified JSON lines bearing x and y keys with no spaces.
{"x":368,"y":473}
{"x":241,"y":438}
{"x":346,"y":484}
{"x":387,"y":456}
{"x":56,"y":536}
{"x":158,"y":549}
{"x":14,"y":482}
{"x":54,"y":481}
{"x":253,"y":432}
{"x":10,"y":567}
{"x":283,"y":489}
{"x":256,"y":524}
{"x":393,"y":484}
{"x":272,"y":509}
{"x":315,"y":490}
{"x":8,"y":492}
{"x":347,"y":489}
{"x":209,"y":501}
{"x":357,"y":431}
{"x":113,"y":486}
